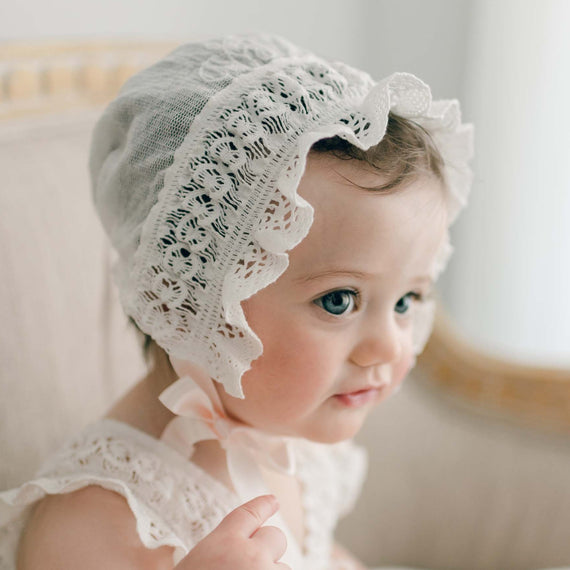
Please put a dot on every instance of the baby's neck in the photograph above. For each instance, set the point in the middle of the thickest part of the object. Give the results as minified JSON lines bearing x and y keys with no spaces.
{"x":140,"y":406}
{"x":211,"y":457}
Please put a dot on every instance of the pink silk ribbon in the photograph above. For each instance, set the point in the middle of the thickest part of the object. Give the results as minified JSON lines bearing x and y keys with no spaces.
{"x":200,"y":416}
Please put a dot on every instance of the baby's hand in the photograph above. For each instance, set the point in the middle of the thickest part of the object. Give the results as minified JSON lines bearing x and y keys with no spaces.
{"x":239,"y":542}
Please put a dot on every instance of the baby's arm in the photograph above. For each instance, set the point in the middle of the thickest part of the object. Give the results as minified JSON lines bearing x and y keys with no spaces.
{"x":94,"y":528}
{"x":342,"y":556}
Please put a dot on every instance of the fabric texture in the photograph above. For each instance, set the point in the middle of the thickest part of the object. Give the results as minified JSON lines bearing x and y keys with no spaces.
{"x":174,"y":502}
{"x":195,"y":168}
{"x":65,"y":346}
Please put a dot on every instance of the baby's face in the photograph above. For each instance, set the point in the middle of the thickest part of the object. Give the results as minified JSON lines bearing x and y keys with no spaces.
{"x":336,"y":327}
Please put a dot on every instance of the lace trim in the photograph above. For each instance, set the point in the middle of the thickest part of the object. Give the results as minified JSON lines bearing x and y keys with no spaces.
{"x":174,"y":502}
{"x":324,"y":504}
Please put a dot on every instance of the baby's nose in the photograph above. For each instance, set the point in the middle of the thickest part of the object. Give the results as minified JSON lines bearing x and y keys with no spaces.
{"x":381,"y":345}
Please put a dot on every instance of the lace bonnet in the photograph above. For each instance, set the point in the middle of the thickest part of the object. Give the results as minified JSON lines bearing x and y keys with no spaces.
{"x":195,"y":168}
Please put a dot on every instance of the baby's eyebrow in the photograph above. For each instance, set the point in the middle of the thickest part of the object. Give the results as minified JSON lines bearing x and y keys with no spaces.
{"x":333,"y":273}
{"x":427,"y":279}
{"x":327,"y":273}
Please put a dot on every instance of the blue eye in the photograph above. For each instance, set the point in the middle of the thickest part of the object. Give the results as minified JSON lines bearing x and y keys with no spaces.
{"x":338,"y":302}
{"x":403,"y":305}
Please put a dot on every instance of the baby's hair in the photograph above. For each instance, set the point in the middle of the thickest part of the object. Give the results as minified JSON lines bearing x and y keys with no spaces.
{"x":405,"y":152}
{"x":149,"y":346}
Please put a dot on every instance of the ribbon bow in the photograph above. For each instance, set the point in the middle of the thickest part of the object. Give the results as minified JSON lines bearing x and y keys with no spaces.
{"x":201,"y":417}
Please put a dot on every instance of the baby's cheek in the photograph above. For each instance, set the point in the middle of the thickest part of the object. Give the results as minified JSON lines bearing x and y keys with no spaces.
{"x":403,"y":367}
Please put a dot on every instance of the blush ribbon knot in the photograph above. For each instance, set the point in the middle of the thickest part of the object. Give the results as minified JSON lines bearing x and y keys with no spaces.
{"x":200,"y":416}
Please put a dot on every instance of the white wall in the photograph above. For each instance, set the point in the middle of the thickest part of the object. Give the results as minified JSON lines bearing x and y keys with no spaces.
{"x":509,"y":282}
{"x":427,"y":38}
{"x":380,"y":35}
{"x":316,"y":24}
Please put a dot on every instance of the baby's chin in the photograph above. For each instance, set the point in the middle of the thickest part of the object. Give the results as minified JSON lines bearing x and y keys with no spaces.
{"x":333,"y":437}
{"x":334,"y":432}
{"x":333,"y":423}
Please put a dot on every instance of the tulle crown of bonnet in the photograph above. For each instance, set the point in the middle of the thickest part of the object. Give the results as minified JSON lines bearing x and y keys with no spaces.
{"x":195,"y":168}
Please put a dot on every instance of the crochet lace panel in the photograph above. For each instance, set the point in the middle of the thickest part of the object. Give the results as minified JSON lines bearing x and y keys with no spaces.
{"x":174,"y":502}
{"x":228,"y":210}
{"x":324,"y":503}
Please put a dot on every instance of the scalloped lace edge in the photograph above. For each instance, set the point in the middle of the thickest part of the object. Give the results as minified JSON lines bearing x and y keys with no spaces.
{"x":40,"y":488}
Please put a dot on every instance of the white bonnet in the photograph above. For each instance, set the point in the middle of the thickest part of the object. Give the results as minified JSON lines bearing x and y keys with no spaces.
{"x":195,"y":168}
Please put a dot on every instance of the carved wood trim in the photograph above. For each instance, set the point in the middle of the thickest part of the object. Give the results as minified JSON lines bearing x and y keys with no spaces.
{"x":51,"y":77}
{"x":535,"y":396}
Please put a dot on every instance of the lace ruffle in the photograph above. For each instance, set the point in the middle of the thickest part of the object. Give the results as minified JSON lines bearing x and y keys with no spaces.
{"x":174,"y":503}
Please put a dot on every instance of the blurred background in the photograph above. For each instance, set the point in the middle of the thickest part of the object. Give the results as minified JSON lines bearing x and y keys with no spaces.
{"x":508,"y":62}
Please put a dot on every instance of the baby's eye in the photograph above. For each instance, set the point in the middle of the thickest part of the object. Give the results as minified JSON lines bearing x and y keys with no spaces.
{"x":338,"y":302}
{"x":403,"y":305}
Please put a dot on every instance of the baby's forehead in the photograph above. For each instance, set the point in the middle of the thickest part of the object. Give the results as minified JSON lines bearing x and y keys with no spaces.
{"x":325,"y":173}
{"x":364,"y":230}
{"x":351,"y":172}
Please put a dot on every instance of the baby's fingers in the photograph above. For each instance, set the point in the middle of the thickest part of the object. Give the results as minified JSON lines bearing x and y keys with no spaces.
{"x":249,"y":517}
{"x":271,"y":540}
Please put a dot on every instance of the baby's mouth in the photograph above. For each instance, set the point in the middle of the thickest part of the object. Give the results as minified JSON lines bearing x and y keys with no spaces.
{"x":360,"y":398}
{"x":370,"y":392}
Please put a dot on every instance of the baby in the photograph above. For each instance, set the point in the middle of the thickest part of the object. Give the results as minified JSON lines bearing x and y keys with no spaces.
{"x":279,"y":222}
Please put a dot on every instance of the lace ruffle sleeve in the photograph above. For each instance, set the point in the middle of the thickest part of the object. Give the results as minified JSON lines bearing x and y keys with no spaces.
{"x":174,"y":503}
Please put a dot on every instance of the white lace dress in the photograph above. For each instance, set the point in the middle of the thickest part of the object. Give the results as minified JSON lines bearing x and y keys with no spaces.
{"x":176,"y":503}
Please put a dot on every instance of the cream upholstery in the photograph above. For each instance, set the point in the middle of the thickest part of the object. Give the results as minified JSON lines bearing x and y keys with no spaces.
{"x":65,"y":351}
{"x":451,"y":488}
{"x":448,"y":488}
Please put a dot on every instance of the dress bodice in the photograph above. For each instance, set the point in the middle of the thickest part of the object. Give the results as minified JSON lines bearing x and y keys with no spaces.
{"x":175,"y":502}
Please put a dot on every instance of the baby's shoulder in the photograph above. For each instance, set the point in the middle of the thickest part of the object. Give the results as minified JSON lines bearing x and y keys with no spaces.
{"x":91,"y":528}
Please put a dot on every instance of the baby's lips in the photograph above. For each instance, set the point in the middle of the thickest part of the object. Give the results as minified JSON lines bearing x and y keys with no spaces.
{"x":358,"y":398}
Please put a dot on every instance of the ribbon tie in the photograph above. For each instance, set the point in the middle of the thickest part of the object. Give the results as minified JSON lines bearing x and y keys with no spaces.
{"x":200,"y":416}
